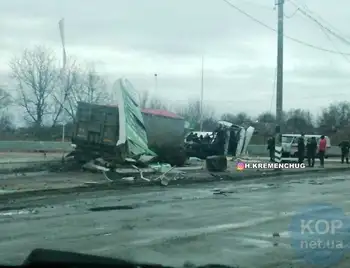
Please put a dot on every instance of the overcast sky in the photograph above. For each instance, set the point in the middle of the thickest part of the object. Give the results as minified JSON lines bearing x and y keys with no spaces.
{"x":137,"y":38}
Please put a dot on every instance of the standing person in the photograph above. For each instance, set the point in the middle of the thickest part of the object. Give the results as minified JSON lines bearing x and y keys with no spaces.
{"x":301,"y":149}
{"x":311,"y":149}
{"x":322,"y":150}
{"x":345,"y":147}
{"x":220,"y":141}
{"x":271,"y":148}
{"x":233,"y":142}
{"x":207,"y":139}
{"x":189,"y":137}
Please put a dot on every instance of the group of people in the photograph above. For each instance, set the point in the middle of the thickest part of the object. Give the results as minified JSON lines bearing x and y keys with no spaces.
{"x":193,"y":137}
{"x":214,"y":144}
{"x":310,"y":149}
{"x":202,"y":146}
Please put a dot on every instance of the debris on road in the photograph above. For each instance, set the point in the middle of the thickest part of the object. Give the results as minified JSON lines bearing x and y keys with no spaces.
{"x":112,"y":138}
{"x":130,"y":179}
{"x":216,"y":163}
{"x":141,"y":173}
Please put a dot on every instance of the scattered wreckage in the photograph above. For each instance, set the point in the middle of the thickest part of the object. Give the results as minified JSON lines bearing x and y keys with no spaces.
{"x":110,"y":137}
{"x":126,"y":139}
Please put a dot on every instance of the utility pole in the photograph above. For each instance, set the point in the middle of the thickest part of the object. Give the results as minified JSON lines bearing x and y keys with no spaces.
{"x":63,"y":131}
{"x":279,"y":84}
{"x":202,"y":93}
{"x":63,"y":75}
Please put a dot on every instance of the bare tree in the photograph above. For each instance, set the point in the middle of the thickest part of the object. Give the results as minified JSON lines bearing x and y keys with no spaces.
{"x":298,"y":120}
{"x":335,"y":117}
{"x":265,"y":124}
{"x":192,"y":113}
{"x":83,"y":86}
{"x":68,"y":82}
{"x":151,"y":102}
{"x":144,"y":98}
{"x":36,"y":75}
{"x":266,"y":117}
{"x":238,"y":119}
{"x":6,"y":119}
{"x":5,"y":98}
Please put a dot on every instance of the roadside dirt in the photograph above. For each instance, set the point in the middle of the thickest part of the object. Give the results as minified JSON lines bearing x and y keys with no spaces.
{"x":45,"y":183}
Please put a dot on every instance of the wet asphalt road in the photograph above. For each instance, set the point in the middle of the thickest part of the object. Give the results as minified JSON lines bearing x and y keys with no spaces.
{"x":175,"y":224}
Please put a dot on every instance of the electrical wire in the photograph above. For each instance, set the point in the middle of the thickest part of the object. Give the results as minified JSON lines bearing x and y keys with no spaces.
{"x":334,"y":45}
{"x":293,"y":14}
{"x":286,"y":36}
{"x":326,"y":31}
{"x":319,"y":17}
{"x":337,"y":52}
{"x":330,"y":31}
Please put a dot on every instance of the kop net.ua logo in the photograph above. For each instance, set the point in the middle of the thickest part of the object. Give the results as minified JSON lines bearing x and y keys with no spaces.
{"x":320,"y":234}
{"x":244,"y":165}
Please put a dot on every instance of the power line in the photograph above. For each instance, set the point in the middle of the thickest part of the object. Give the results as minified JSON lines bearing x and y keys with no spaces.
{"x":293,"y":14}
{"x":321,"y":25}
{"x":319,"y":17}
{"x":326,"y":31}
{"x":286,"y":36}
{"x":333,"y":44}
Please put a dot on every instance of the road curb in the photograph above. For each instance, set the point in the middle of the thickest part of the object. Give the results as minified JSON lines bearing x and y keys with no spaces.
{"x":205,"y":178}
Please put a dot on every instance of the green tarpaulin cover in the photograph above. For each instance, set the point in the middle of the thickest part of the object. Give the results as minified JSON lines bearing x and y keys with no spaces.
{"x":132,"y":128}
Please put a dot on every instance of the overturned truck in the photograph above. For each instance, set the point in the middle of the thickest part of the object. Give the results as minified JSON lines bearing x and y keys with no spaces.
{"x":236,"y":141}
{"x":123,"y":131}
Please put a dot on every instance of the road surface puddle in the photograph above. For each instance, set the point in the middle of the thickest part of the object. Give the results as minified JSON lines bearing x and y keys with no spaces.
{"x":255,"y":243}
{"x":16,"y":212}
{"x":165,"y":236}
{"x":168,"y":235}
{"x":2,"y":191}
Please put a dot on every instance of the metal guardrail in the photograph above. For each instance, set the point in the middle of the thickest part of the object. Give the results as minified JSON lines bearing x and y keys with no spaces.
{"x":32,"y":146}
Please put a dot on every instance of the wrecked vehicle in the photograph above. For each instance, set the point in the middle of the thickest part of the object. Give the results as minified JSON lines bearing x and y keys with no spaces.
{"x":203,"y":144}
{"x":165,"y":133}
{"x":118,"y":133}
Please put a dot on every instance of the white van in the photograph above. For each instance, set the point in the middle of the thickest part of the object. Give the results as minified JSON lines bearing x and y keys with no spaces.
{"x":290,"y":143}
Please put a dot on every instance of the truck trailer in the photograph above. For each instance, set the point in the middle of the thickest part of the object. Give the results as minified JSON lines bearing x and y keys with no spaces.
{"x":114,"y":134}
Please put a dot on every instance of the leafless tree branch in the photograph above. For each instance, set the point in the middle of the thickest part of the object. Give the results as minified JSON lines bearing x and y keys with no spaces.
{"x":36,"y":76}
{"x":80,"y":85}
